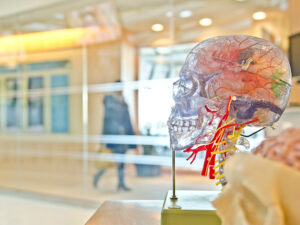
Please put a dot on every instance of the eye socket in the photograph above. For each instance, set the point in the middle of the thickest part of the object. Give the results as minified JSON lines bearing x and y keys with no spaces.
{"x":186,"y":86}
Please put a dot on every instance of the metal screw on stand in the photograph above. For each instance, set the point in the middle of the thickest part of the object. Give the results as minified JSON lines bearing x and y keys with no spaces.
{"x":173,"y":197}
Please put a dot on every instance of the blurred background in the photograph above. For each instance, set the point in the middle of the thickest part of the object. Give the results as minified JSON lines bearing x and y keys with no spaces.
{"x":69,"y":69}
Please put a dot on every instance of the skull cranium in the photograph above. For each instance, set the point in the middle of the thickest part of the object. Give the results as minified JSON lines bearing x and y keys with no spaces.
{"x":253,"y":70}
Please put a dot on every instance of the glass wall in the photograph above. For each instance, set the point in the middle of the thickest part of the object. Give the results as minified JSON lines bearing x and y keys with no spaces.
{"x":86,"y":90}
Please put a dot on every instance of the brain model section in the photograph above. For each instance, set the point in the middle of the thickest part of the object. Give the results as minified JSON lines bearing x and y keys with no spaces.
{"x":284,"y":148}
{"x":252,"y":69}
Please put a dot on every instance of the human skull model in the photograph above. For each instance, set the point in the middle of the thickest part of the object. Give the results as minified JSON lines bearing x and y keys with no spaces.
{"x":246,"y":77}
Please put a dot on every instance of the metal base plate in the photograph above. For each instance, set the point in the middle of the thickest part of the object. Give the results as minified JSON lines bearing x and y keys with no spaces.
{"x":191,"y":207}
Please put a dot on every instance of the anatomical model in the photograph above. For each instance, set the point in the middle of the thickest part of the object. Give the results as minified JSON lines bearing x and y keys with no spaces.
{"x":284,"y":148}
{"x":226,"y":83}
{"x":263,"y":191}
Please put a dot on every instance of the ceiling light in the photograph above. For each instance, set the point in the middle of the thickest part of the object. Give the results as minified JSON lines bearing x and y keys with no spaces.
{"x":259,"y":15}
{"x":205,"y":22}
{"x":157,"y":27}
{"x":185,"y":13}
{"x":240,"y":0}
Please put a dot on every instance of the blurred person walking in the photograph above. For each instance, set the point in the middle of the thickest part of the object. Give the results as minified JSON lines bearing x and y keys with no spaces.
{"x":116,"y":122}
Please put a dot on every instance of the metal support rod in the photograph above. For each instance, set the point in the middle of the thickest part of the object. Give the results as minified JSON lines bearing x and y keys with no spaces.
{"x":174,"y":198}
{"x":173,"y":176}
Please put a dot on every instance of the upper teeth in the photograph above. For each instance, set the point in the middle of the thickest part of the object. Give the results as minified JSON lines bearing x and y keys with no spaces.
{"x":193,"y":122}
{"x":186,"y":123}
{"x":183,"y":125}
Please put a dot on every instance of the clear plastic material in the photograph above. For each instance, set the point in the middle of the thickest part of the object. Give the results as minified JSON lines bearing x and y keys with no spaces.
{"x":252,"y":71}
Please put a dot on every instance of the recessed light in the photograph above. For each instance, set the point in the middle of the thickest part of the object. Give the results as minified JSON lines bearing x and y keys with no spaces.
{"x":185,"y":13}
{"x":240,"y":0}
{"x":205,"y":22}
{"x":157,"y":27}
{"x":260,"y":15}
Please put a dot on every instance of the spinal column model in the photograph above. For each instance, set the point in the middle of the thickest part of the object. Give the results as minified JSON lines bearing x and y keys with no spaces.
{"x":226,"y":83}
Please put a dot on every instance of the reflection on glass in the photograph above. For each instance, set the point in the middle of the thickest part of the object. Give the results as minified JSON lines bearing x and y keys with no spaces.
{"x":35,"y":105}
{"x":116,"y":116}
{"x":117,"y":122}
{"x":13,"y":107}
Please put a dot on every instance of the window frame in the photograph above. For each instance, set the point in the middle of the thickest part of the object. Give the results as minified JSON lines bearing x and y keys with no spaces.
{"x":24,"y":92}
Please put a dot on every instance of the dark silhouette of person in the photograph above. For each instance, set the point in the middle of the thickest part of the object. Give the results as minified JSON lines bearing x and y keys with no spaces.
{"x":116,"y":122}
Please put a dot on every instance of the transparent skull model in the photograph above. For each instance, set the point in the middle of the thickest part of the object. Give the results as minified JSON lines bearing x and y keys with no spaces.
{"x":226,"y":83}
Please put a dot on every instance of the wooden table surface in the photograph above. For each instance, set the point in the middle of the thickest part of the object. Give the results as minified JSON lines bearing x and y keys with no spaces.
{"x":127,"y":213}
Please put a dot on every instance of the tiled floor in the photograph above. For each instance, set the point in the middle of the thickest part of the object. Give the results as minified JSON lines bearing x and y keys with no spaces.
{"x":75,"y":198}
{"x":24,"y":209}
